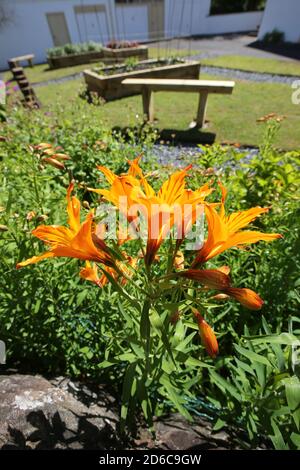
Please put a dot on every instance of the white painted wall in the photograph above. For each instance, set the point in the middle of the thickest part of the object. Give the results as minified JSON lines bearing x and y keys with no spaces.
{"x":233,"y":23}
{"x":195,"y":19}
{"x":29,"y":32}
{"x":183,"y":18}
{"x":283,"y":15}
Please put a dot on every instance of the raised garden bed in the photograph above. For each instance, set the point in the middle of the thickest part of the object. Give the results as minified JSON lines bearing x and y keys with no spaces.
{"x":107,"y":81}
{"x":107,"y":55}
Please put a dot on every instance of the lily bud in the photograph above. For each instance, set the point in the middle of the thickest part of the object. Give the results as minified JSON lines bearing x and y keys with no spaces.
{"x":175,"y":317}
{"x":42,"y":146}
{"x":49,"y":151}
{"x":54,"y":163}
{"x":61,"y":156}
{"x":42,"y":218}
{"x":220,"y":297}
{"x":30,"y":215}
{"x":247,"y":297}
{"x":3,"y":228}
{"x":179,"y":260}
{"x":208,"y":337}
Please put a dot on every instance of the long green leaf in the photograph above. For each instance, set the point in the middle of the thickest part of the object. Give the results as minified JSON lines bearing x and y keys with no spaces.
{"x":126,"y":392}
{"x":252,"y":356}
{"x":223,"y":384}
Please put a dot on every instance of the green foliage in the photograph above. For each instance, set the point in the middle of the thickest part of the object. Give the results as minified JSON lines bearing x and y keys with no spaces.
{"x":52,"y":321}
{"x":131,"y":63}
{"x":274,"y":37}
{"x":256,"y":377}
{"x":2,"y":113}
{"x":261,"y":389}
{"x":69,"y":49}
{"x":48,"y":316}
{"x":267,"y":178}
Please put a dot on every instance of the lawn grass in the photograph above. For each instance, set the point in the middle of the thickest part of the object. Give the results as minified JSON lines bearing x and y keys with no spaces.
{"x":255,"y":64}
{"x":231,"y":118}
{"x":41,"y":72}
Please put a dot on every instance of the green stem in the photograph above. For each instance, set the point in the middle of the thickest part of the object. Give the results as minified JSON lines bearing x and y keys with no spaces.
{"x":37,"y":194}
{"x":145,"y":330}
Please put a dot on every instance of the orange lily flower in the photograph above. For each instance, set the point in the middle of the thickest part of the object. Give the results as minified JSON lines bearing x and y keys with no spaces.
{"x":91,"y":272}
{"x":224,"y":231}
{"x":158,"y":210}
{"x":207,"y":335}
{"x":76,"y":241}
{"x":121,"y":185}
{"x":161,"y":209}
{"x":190,"y":202}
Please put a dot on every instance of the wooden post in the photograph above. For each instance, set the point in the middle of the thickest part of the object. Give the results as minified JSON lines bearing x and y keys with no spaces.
{"x":201,"y":109}
{"x":148,"y":103}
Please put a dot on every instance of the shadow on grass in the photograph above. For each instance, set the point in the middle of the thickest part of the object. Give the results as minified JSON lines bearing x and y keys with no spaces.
{"x":176,"y":136}
{"x":286,"y":49}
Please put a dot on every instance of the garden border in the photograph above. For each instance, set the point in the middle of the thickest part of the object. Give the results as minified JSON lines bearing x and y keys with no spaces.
{"x":107,"y":55}
{"x":110,"y":87}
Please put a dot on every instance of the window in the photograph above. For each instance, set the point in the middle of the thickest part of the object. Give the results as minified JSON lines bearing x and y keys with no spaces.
{"x":220,"y":7}
{"x":131,"y":1}
{"x":134,"y":1}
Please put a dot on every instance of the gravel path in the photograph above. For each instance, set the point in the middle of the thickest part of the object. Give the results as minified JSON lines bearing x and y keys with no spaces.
{"x":250,"y":76}
{"x":209,"y":69}
{"x":226,"y":44}
{"x":67,"y":78}
{"x":182,"y":155}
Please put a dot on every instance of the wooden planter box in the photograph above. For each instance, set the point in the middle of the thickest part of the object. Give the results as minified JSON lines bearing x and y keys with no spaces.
{"x":106,"y":55}
{"x":110,"y":87}
{"x":118,"y":55}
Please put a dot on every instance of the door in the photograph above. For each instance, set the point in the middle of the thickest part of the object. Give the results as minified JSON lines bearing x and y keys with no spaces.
{"x":58,"y":28}
{"x":132,"y":21}
{"x":92,"y":23}
{"x":156,"y":19}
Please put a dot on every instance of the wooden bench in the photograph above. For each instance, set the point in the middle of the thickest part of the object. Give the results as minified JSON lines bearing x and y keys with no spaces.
{"x":203,"y":87}
{"x":15,"y":61}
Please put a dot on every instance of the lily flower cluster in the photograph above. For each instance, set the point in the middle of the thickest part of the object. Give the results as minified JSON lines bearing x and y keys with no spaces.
{"x":110,"y":262}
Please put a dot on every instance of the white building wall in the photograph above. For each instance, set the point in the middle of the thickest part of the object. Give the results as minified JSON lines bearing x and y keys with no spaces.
{"x":30,"y":33}
{"x":283,"y":15}
{"x":195,"y":19}
{"x":233,"y":23}
{"x":183,"y":18}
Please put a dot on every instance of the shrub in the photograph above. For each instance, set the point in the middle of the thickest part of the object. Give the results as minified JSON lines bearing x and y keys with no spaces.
{"x":69,"y":49}
{"x":274,"y":37}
